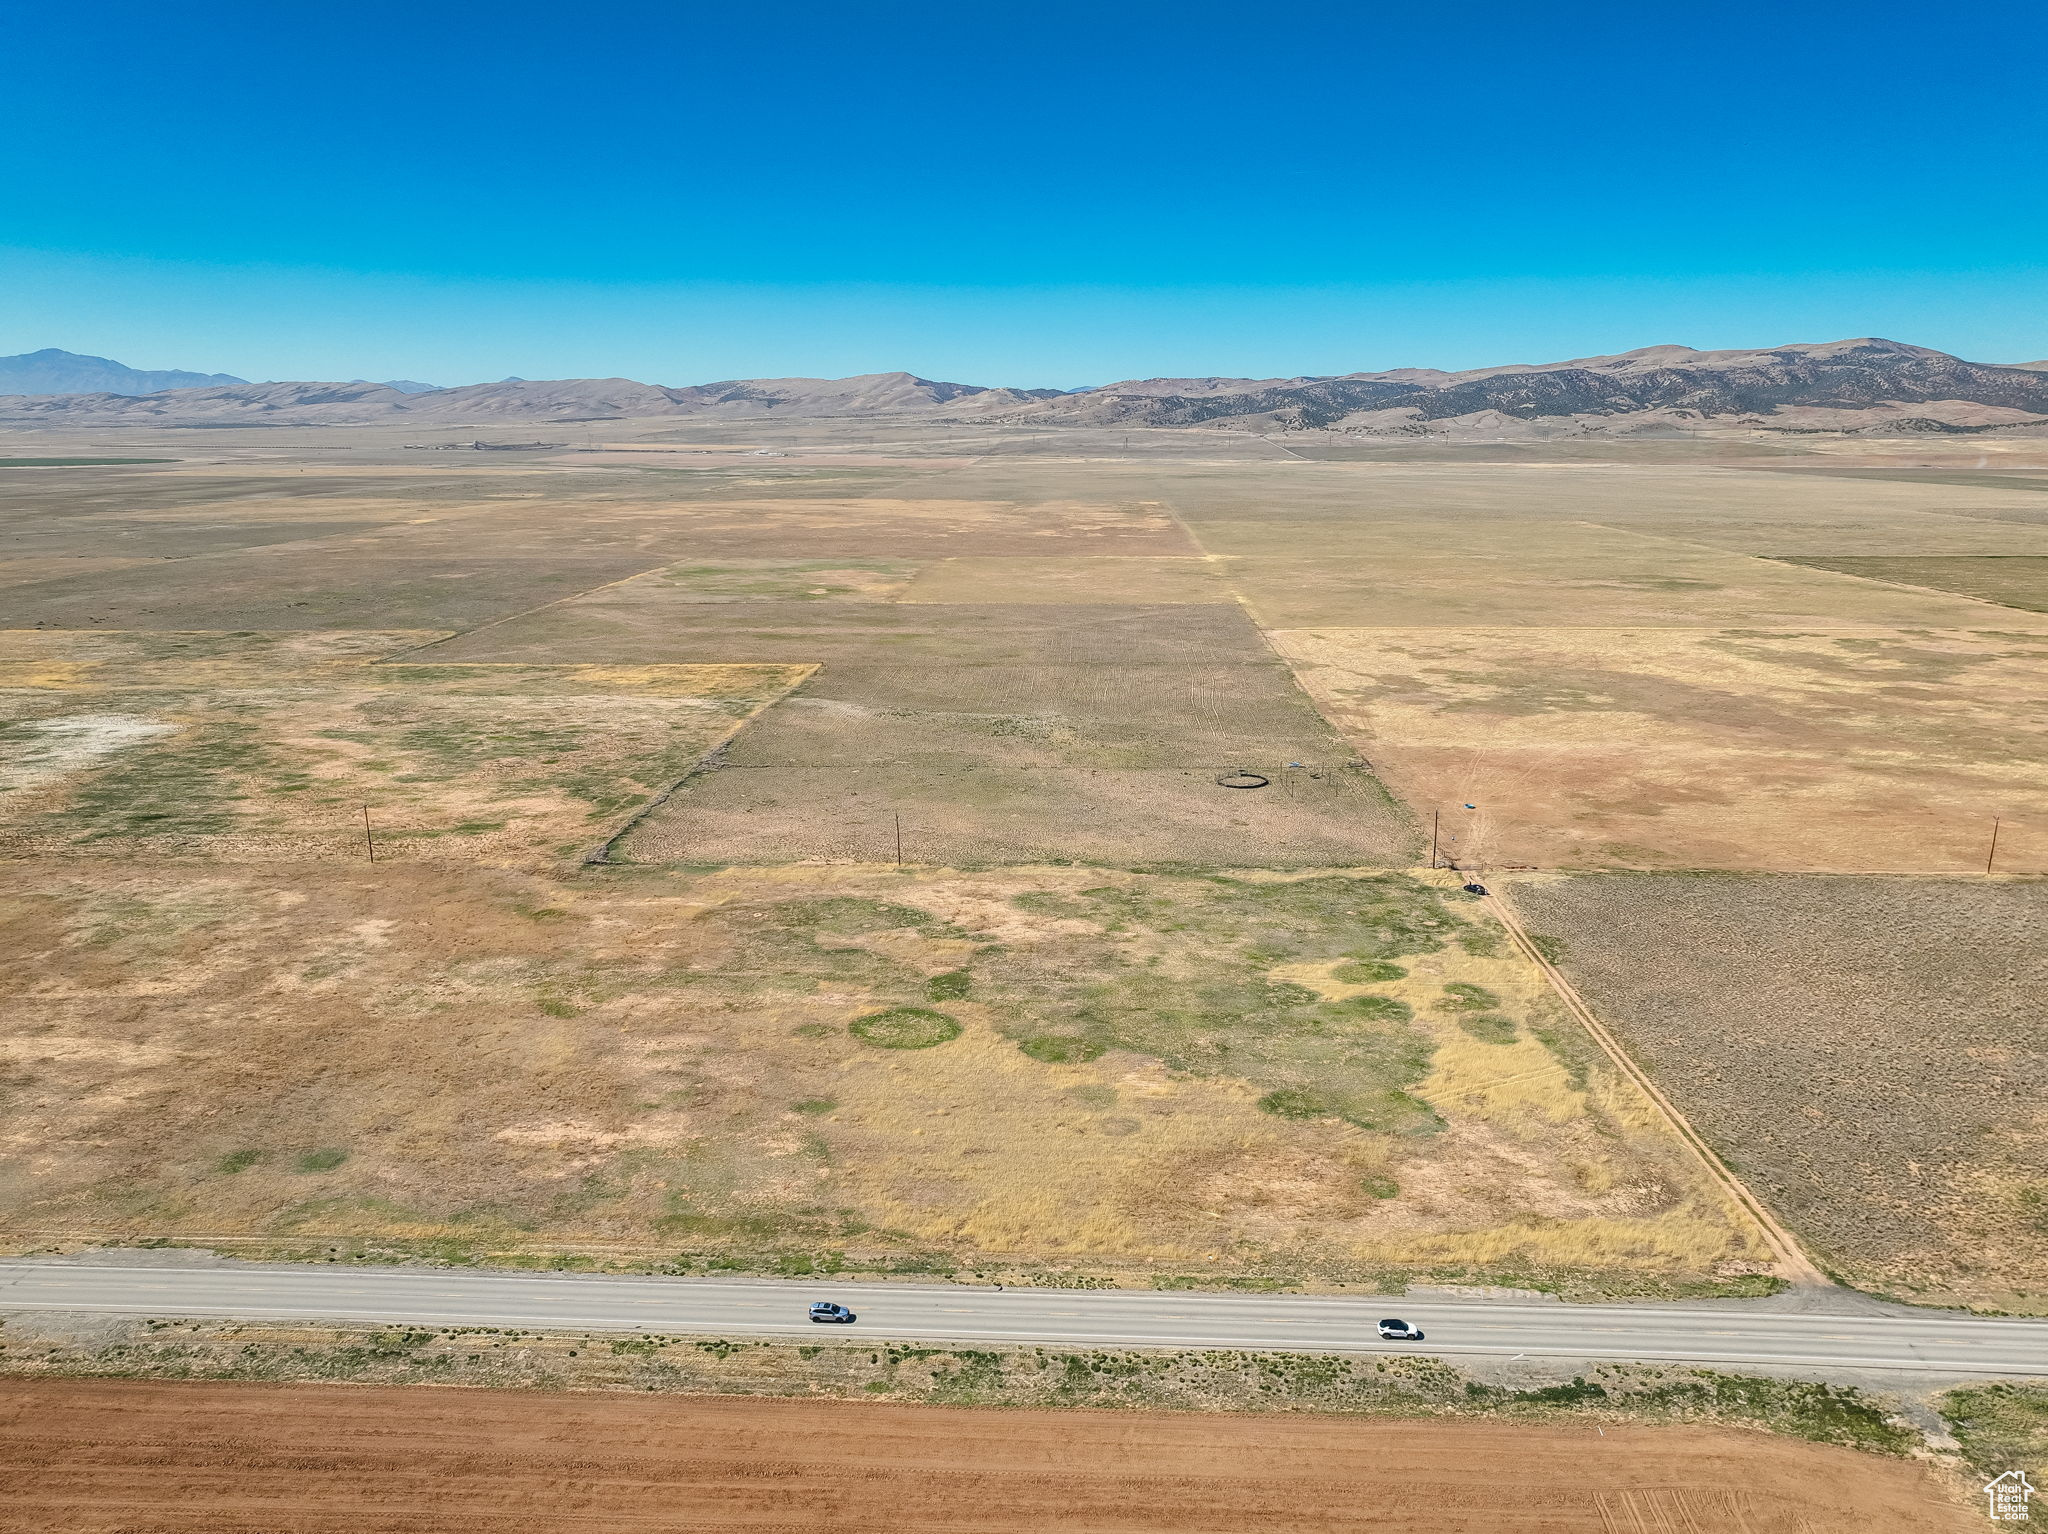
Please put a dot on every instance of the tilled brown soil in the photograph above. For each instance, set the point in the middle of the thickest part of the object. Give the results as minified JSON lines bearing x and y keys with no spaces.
{"x":97,"y":1456}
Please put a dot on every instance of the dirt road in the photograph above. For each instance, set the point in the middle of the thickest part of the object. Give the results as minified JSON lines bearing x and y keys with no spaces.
{"x":98,"y":1456}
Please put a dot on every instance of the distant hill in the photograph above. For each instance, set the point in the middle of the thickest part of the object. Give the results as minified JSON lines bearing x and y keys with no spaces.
{"x":518,"y":399}
{"x":1844,"y":385}
{"x":1857,"y":385}
{"x":51,"y":371}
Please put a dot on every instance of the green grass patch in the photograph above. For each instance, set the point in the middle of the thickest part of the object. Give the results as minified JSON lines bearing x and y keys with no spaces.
{"x":320,"y":1161}
{"x":237,"y":1161}
{"x":1367,"y":972}
{"x":2003,"y":1427}
{"x":191,"y":783}
{"x":1297,"y":1103}
{"x":905,"y":1028}
{"x":1181,"y":972}
{"x":953,"y":985}
{"x":1461,"y":996}
{"x":1091,"y":1095}
{"x":1060,"y":1048}
{"x":1377,"y":1009}
{"x":1490,"y":1027}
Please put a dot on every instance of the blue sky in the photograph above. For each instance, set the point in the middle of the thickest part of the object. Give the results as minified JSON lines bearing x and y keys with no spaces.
{"x":1059,"y":193}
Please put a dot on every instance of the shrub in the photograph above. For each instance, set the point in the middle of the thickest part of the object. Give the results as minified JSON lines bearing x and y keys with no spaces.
{"x":905,"y":1028}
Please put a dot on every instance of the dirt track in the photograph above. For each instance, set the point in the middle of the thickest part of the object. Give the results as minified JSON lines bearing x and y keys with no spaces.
{"x":144,"y":1456}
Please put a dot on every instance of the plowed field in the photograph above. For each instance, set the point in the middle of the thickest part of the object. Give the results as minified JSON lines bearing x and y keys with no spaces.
{"x":93,"y":1457}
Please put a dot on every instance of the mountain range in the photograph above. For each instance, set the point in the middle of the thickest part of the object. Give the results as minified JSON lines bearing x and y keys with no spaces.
{"x":52,"y":371}
{"x":1866,"y":384}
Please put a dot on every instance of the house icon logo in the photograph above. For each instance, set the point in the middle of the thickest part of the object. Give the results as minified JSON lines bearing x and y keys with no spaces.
{"x":2009,"y":1495}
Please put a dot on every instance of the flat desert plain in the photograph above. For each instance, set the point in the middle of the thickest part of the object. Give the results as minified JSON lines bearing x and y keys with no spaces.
{"x":96,"y":1456}
{"x":832,"y":859}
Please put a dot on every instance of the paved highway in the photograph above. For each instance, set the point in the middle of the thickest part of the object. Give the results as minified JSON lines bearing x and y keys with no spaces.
{"x":1931,"y":1344}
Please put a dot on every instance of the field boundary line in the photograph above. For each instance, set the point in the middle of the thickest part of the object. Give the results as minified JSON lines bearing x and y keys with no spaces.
{"x":1403,"y":812}
{"x":600,"y":856}
{"x":1791,"y":1257}
{"x":527,"y":612}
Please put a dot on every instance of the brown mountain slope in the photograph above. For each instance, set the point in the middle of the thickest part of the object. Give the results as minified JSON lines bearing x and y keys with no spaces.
{"x":1672,"y":382}
{"x":570,"y":399}
{"x":1865,"y":383}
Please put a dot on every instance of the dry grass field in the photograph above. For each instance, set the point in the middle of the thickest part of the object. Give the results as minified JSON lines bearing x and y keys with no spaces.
{"x":1329,"y":1076}
{"x":1652,"y":584}
{"x":1853,"y":751}
{"x":240,"y":746}
{"x":82,"y":1456}
{"x":1867,"y":1052}
{"x":1035,"y":655}
{"x":2011,"y":580}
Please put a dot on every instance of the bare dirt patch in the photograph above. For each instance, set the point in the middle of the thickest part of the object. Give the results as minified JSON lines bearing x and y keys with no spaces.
{"x":1866,"y":1052}
{"x":82,"y":1456}
{"x":1875,"y":750}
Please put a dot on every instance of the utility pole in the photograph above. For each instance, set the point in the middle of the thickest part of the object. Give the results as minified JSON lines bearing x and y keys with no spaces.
{"x":899,"y":838}
{"x":1993,"y":853}
{"x":369,"y":842}
{"x":1435,"y":817}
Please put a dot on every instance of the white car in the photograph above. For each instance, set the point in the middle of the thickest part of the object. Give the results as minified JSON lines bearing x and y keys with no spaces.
{"x":1393,"y":1329}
